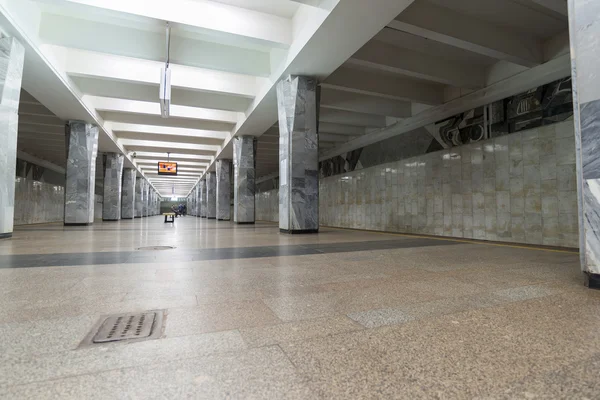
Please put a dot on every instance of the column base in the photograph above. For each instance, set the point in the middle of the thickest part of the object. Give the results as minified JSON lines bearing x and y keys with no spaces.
{"x":246,"y":223}
{"x":6,"y":235}
{"x":138,"y":217}
{"x":211,"y":217}
{"x":78,"y":223}
{"x":223,"y":219}
{"x":299,"y":232}
{"x":110,"y":220}
{"x":591,"y":281}
{"x":126,"y":217}
{"x":203,"y":216}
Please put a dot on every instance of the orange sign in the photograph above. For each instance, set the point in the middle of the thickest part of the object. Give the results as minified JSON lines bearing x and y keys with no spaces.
{"x":167,"y":168}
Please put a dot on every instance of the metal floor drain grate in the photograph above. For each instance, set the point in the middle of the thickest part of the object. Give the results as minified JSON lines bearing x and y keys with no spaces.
{"x":156,"y":248}
{"x":125,"y":328}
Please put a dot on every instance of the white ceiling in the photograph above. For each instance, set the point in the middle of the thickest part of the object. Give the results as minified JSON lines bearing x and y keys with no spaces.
{"x":382,"y":63}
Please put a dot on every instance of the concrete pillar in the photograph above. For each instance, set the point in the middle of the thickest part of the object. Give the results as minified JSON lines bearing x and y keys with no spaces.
{"x":585,"y":59}
{"x":128,"y":196}
{"x":146,"y":199}
{"x":211,"y":195}
{"x":151,"y":202}
{"x":80,"y":182}
{"x":197,"y":202}
{"x":139,"y":197}
{"x":244,"y":182}
{"x":223,"y":168}
{"x":113,"y":180}
{"x":298,"y":105}
{"x":202,"y":198}
{"x":12,"y":55}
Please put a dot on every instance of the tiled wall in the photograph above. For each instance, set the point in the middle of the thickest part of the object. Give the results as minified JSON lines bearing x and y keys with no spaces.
{"x":516,"y":188}
{"x":267,"y":205}
{"x":519,"y":188}
{"x":38,"y":202}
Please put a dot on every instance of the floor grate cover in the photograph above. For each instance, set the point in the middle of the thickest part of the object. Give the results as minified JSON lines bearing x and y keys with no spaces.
{"x":156,"y":248}
{"x":125,"y":328}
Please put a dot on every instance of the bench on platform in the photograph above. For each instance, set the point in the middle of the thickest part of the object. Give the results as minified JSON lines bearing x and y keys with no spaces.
{"x":169,"y":217}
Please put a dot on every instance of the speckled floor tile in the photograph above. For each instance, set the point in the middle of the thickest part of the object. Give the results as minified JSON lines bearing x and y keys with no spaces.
{"x":429,"y":320}
{"x":218,"y":317}
{"x":43,"y":336}
{"x":301,"y":330}
{"x":263,"y":373}
{"x":17,"y":369}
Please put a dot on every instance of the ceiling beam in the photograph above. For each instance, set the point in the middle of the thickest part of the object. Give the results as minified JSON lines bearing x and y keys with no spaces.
{"x":154,"y":163}
{"x":557,"y":7}
{"x":372,"y":83}
{"x":357,"y":102}
{"x":326,"y":137}
{"x":314,"y":3}
{"x":352,"y":118}
{"x":153,"y":108}
{"x":107,"y":66}
{"x":148,"y":92}
{"x":531,"y":78}
{"x":157,"y":120}
{"x":162,"y":130}
{"x":149,"y":44}
{"x":452,"y":28}
{"x":384,"y":57}
{"x":202,"y":15}
{"x":146,"y":154}
{"x":167,"y":138}
{"x":131,"y":143}
{"x":341,"y":129}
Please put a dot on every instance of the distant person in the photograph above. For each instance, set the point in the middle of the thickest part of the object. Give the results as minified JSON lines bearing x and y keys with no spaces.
{"x":175,"y":209}
{"x":181,"y":209}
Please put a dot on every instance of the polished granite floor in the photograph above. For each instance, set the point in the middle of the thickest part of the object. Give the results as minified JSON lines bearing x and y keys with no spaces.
{"x":251,"y":313}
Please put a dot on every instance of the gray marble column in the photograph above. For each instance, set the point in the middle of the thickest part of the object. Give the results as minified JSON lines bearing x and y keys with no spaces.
{"x":298,"y":105}
{"x":113,"y":180}
{"x":585,"y":61}
{"x":146,"y":199}
{"x":80,"y":182}
{"x":197,"y":197}
{"x":151,"y":202}
{"x":202,"y":197}
{"x":223,"y":168}
{"x":139,"y":197}
{"x":12,"y":55}
{"x":211,"y":195}
{"x":128,"y":196}
{"x":244,"y":182}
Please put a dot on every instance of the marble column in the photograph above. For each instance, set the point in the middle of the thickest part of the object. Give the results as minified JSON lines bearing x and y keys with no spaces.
{"x":80,"y":180}
{"x":113,"y":180}
{"x":146,"y":199}
{"x":211,"y":195}
{"x":202,"y":198}
{"x":128,"y":196}
{"x":12,"y":55}
{"x":585,"y":61}
{"x":223,"y":168}
{"x":197,"y":202}
{"x":139,"y":197}
{"x":151,"y":203}
{"x":298,"y":105}
{"x":244,"y":167}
